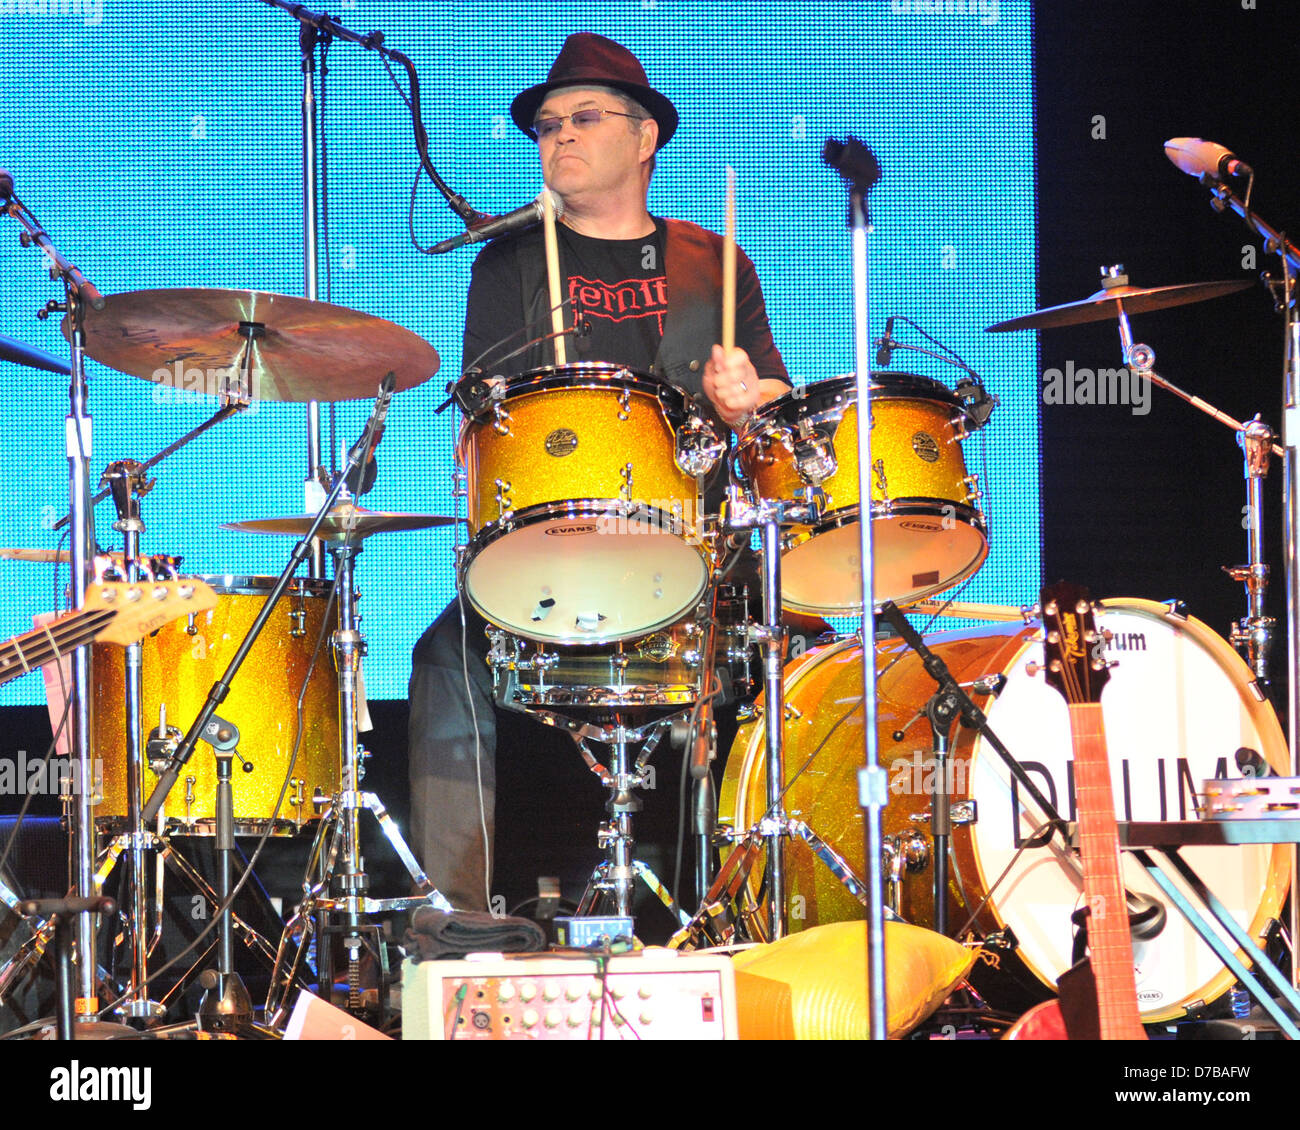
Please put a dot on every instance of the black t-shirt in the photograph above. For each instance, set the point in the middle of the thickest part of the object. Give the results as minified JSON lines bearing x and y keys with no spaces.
{"x":621,"y":288}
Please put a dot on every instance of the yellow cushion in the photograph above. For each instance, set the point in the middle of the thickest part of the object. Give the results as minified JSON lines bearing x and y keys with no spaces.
{"x":826,"y":970}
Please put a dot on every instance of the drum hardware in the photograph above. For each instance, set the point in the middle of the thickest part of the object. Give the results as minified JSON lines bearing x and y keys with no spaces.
{"x":614,"y":879}
{"x":904,"y":855}
{"x":80,"y":296}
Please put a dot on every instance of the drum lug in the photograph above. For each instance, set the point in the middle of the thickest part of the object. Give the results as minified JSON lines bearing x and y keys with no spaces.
{"x":624,"y":396}
{"x":972,"y":483}
{"x":459,"y":482}
{"x":501,"y":419}
{"x":958,"y":423}
{"x":298,"y":616}
{"x":297,"y":799}
{"x":504,"y":502}
{"x":882,"y":483}
{"x":625,"y":491}
{"x":189,"y":798}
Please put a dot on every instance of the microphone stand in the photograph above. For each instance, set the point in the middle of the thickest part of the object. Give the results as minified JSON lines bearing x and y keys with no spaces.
{"x":1224,"y":199}
{"x":78,"y":293}
{"x":320,"y":27}
{"x":860,"y":171}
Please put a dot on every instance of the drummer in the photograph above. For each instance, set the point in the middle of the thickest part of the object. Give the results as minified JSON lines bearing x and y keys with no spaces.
{"x":650,"y":292}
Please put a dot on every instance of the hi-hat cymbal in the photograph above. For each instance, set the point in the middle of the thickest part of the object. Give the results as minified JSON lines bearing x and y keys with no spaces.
{"x":1109,"y":301}
{"x":33,"y":358}
{"x":340,"y":522}
{"x":301,"y":350}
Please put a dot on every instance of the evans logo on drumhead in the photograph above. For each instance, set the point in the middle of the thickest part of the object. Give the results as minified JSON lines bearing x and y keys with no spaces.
{"x":926,"y":446}
{"x":561,"y":442}
{"x":570,"y":531}
{"x":1150,"y":996}
{"x":921,"y":525}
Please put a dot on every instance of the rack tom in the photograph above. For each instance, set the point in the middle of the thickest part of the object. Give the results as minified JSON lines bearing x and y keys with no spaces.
{"x":584,"y":502}
{"x":928,"y":531}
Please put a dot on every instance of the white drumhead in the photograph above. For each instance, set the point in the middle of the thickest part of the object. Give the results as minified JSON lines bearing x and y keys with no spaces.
{"x":586,"y":579}
{"x":1176,"y":709}
{"x":915,"y":555}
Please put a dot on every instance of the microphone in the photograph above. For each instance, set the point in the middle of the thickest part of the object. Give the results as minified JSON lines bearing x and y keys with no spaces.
{"x":495,"y":226}
{"x":887,"y":346}
{"x":1198,"y":158}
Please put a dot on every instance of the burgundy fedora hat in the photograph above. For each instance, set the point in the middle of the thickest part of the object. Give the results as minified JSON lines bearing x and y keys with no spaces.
{"x":587,"y":59}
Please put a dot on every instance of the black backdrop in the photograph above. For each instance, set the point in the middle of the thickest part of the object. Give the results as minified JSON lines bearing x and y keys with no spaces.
{"x":1134,"y":505}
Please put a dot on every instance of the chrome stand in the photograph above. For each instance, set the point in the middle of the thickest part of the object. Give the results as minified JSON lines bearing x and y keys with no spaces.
{"x":1252,"y":635}
{"x":615,"y":879}
{"x":79,"y":293}
{"x":342,"y":866}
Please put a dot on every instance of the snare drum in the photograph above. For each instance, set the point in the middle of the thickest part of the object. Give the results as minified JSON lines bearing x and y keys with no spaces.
{"x":662,"y":669}
{"x":928,"y":532}
{"x":182,"y":660}
{"x":585,"y":484}
{"x":1176,"y":709}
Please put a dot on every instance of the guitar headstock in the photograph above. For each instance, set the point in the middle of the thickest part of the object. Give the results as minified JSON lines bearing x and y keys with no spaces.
{"x":145,"y":606}
{"x":1073,"y":649}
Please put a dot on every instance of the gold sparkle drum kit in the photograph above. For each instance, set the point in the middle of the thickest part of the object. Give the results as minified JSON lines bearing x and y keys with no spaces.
{"x":619,"y":610}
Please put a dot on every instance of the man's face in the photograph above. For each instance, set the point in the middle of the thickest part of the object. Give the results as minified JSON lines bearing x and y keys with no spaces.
{"x":606,"y":157}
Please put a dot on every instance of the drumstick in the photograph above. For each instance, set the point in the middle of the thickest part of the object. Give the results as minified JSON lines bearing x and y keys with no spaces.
{"x":999,"y":612}
{"x":729,"y":267}
{"x":553,"y":274}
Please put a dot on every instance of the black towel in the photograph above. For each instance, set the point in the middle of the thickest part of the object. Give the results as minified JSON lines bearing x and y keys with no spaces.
{"x":436,"y":934}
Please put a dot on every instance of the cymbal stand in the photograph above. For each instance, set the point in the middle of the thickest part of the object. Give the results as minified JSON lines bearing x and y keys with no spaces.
{"x":78,"y":293}
{"x":345,"y":869}
{"x":1252,"y":635}
{"x":128,"y":484}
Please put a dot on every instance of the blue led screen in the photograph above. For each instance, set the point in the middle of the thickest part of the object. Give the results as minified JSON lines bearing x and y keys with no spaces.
{"x":160,"y":144}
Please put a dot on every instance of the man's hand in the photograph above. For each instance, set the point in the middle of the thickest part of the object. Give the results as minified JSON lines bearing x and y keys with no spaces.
{"x":731,"y":384}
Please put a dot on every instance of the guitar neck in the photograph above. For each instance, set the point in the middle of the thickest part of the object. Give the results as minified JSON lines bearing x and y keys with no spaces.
{"x":1110,"y":944}
{"x":65,"y":634}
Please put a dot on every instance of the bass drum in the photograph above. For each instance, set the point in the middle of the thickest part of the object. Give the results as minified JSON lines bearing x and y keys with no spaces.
{"x":1177,"y":708}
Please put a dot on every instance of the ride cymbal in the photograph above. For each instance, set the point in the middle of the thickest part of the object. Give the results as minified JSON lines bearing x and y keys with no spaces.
{"x":300,"y":350}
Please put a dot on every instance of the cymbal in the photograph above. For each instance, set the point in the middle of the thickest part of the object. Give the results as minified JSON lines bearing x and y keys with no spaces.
{"x":1108,"y":302}
{"x":21,"y":354}
{"x":302,"y":350}
{"x":341,"y":521}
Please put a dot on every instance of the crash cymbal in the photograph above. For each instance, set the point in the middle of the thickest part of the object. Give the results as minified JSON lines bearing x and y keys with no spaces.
{"x":1108,"y":302}
{"x":21,"y":354}
{"x":341,"y":521}
{"x":301,"y":350}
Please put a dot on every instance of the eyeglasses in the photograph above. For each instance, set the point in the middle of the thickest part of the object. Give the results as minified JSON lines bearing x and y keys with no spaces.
{"x":582,"y":119}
